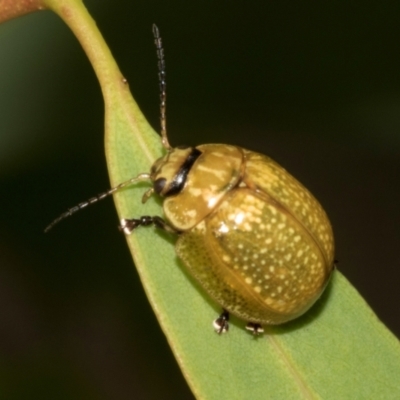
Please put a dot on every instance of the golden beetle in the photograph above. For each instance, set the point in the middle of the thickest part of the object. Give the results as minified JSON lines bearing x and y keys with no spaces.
{"x":256,"y":240}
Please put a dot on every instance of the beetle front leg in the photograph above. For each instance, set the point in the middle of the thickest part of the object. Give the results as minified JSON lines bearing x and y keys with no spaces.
{"x":129,"y":225}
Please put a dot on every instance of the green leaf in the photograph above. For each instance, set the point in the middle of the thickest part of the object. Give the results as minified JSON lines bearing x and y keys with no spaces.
{"x":338,"y":350}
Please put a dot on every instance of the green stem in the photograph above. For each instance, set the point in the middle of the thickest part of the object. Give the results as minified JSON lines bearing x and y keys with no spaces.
{"x":76,"y":16}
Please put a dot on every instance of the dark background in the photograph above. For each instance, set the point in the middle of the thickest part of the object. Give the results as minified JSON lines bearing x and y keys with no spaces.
{"x":315,"y":85}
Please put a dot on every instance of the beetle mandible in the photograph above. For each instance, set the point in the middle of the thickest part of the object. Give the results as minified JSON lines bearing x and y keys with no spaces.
{"x":255,"y":239}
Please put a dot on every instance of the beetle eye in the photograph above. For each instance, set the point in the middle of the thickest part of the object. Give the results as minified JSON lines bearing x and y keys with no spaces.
{"x":159,"y":185}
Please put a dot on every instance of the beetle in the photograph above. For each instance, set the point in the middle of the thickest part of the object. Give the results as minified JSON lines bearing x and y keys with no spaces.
{"x":256,"y":239}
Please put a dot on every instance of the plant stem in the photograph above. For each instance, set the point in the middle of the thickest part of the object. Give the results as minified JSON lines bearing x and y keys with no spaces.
{"x":76,"y":16}
{"x":10,"y":9}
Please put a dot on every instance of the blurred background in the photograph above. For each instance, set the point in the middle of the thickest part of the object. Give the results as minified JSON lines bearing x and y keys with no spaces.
{"x":315,"y":85}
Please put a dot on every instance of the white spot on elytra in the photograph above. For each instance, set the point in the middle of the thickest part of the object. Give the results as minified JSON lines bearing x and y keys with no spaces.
{"x":223,"y":228}
{"x":272,"y":209}
{"x":239,"y":218}
{"x":211,"y":203}
{"x":299,"y":253}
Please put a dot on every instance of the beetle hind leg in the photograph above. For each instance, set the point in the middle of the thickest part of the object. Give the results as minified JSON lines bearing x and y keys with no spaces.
{"x":254,"y":328}
{"x":221,"y":324}
{"x":129,"y":225}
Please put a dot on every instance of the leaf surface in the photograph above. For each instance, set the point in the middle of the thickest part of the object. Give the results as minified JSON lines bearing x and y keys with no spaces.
{"x":338,"y":350}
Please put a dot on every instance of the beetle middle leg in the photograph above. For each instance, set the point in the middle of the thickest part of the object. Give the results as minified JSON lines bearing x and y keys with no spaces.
{"x":221,"y":324}
{"x":129,"y":225}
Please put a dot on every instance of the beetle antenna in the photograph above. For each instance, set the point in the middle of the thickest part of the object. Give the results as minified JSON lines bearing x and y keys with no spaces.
{"x":163,"y":86}
{"x":95,"y":199}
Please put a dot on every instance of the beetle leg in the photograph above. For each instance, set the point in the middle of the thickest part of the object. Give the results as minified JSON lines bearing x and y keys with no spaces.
{"x":129,"y":225}
{"x":254,"y":328}
{"x":221,"y":324}
{"x":161,"y":224}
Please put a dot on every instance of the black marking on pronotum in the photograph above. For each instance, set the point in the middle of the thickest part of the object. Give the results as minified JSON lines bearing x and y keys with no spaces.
{"x":180,"y":178}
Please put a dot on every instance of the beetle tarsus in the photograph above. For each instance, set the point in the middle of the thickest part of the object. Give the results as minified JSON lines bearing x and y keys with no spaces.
{"x":129,"y":225}
{"x":221,"y":324}
{"x":254,"y":328}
